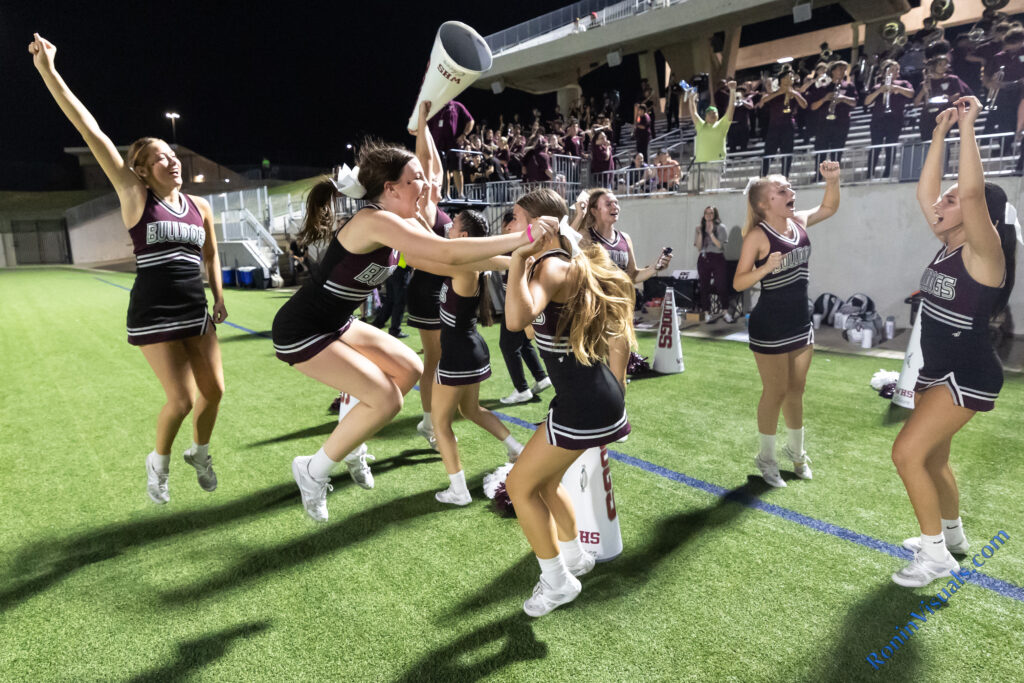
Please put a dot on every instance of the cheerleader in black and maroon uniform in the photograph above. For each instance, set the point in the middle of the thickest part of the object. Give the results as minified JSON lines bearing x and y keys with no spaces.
{"x":775,"y":253}
{"x":967,"y":282}
{"x":315,"y":329}
{"x":173,"y":239}
{"x":465,"y":362}
{"x":576,"y":301}
{"x":596,"y":215}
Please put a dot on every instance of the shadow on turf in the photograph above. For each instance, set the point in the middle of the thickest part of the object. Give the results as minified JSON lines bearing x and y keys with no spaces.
{"x":327,"y":540}
{"x":455,"y":661}
{"x":195,"y":654}
{"x":626,"y":572}
{"x":45,"y":563}
{"x":868,"y":626}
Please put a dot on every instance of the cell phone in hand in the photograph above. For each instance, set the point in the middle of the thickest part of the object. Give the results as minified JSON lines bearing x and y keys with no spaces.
{"x":666,"y":251}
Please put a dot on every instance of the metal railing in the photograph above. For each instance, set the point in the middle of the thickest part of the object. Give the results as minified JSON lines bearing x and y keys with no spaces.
{"x":567,"y":168}
{"x":241,"y":225}
{"x":648,"y":180}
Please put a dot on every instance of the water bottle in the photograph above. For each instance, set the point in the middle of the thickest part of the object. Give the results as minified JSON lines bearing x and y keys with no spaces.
{"x":890,"y":327}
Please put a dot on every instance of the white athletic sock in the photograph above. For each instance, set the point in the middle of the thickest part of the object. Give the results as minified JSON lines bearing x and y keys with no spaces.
{"x":554,"y":571}
{"x":458,"y":481}
{"x":767,"y":447}
{"x":427,"y":423}
{"x":161,"y":462}
{"x":572,"y":551}
{"x":795,"y":441}
{"x":953,"y":531}
{"x":320,"y":466}
{"x":202,"y":452}
{"x":934,"y":547}
{"x":513,"y":446}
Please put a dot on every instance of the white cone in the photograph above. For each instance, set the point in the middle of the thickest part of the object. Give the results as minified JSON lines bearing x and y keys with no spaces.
{"x":912,"y":362}
{"x":457,"y":59}
{"x":589,"y":483}
{"x":668,"y":357}
{"x":348,"y":402}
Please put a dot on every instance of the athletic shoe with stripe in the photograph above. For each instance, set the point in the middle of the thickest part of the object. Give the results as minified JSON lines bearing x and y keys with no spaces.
{"x":770,"y":471}
{"x":914,"y":546}
{"x":427,"y":433}
{"x":314,"y":491}
{"x":922,"y":570}
{"x":205,"y":475}
{"x":546,"y":598}
{"x":801,"y":465}
{"x":156,"y":482}
{"x":357,"y":467}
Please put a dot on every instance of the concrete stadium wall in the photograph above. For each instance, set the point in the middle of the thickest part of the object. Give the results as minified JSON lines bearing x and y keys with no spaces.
{"x":100,"y":239}
{"x":878,"y":242}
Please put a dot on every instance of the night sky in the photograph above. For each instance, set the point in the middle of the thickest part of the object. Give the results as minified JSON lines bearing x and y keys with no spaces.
{"x":292,"y":81}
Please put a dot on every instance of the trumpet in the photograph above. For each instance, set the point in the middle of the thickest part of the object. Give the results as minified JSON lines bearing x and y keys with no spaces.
{"x":832,"y":104}
{"x":786,"y":109}
{"x":993,"y":91}
{"x":886,"y":96}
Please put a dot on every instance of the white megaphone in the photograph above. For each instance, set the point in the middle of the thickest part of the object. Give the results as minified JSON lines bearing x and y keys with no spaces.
{"x":668,"y":357}
{"x":903,"y":395}
{"x":589,"y":483}
{"x":457,"y":59}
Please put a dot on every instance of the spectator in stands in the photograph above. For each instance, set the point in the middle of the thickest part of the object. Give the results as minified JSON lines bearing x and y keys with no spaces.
{"x":982,"y":54}
{"x":813,"y":88}
{"x":601,"y":156}
{"x":517,"y":149}
{"x":668,"y":171}
{"x":449,"y":123}
{"x":537,"y":162}
{"x":722,"y":95}
{"x":555,"y":144}
{"x":838,"y":101}
{"x":578,"y":27}
{"x":674,"y":103}
{"x":594,"y":21}
{"x":571,"y":143}
{"x":739,"y":132}
{"x":889,"y":99}
{"x":709,"y":143}
{"x":641,"y":179}
{"x":642,"y":130}
{"x":710,"y":239}
{"x":1002,"y":77}
{"x":939,"y":90}
{"x":782,"y":106}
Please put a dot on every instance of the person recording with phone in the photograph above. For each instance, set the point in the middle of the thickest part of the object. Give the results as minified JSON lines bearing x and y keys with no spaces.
{"x":710,"y":239}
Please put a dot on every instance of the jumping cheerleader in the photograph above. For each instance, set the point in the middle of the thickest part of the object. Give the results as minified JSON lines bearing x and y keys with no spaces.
{"x":781,"y":336}
{"x":577,"y":302}
{"x":173,"y":238}
{"x":967,"y":282}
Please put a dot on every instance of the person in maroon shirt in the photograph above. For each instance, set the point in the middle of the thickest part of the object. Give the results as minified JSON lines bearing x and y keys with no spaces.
{"x":838,"y":100}
{"x":642,"y":130}
{"x":781,"y":129}
{"x":738,"y":136}
{"x":601,"y":155}
{"x":887,"y":117}
{"x":939,"y":89}
{"x":451,"y":122}
{"x":1002,"y":76}
{"x":537,"y":162}
{"x":571,"y":143}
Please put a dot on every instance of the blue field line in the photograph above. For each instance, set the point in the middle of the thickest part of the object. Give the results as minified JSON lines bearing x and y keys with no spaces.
{"x":998,"y":586}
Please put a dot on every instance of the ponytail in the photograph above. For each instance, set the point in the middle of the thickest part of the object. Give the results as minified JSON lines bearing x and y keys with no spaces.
{"x":319,"y":222}
{"x":995,"y":201}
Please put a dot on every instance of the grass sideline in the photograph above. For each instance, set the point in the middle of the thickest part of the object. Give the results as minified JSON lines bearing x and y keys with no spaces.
{"x":96,"y":583}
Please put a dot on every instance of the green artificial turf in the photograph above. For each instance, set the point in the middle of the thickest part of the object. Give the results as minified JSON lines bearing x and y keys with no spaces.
{"x":97,"y":583}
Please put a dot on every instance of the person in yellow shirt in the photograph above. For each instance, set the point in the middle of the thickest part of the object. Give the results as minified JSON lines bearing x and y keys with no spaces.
{"x":709,"y":145}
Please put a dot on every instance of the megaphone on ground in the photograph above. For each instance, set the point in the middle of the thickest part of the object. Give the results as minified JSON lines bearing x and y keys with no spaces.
{"x":458,"y":58}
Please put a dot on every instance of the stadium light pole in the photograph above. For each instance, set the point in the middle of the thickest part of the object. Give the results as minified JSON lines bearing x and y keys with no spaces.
{"x":173,"y":116}
{"x":349,"y":148}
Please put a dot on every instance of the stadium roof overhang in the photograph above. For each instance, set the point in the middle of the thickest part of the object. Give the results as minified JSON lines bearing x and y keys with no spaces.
{"x":542,"y":66}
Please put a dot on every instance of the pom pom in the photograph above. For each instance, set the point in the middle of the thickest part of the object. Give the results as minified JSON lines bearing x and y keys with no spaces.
{"x":502,"y":503}
{"x":637,"y":365}
{"x":495,"y":479}
{"x":888,"y":390}
{"x":883,"y":377}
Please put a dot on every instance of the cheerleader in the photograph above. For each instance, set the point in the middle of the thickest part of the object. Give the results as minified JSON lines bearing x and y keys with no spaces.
{"x":775,"y":253}
{"x":968,"y":281}
{"x":465,"y":362}
{"x":315,"y":330}
{"x":597,"y":213}
{"x":577,"y":302}
{"x":173,"y":238}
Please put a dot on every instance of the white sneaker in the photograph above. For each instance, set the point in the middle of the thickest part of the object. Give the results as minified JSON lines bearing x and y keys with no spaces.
{"x":801,"y":465}
{"x":914,"y":546}
{"x":314,"y":492}
{"x":496,"y":478}
{"x":541,"y":385}
{"x":453,"y":497}
{"x":770,"y":471}
{"x":585,"y":565}
{"x":204,"y":471}
{"x":545,"y":598}
{"x":427,"y":433}
{"x":728,"y":317}
{"x":923,"y":570}
{"x":357,"y":467}
{"x":156,"y":482}
{"x":517,"y":397}
{"x":623,"y":439}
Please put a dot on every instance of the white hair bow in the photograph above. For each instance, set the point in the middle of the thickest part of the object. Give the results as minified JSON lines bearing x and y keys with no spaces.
{"x":347,"y":182}
{"x":1010,"y":217}
{"x":566,"y":231}
{"x":750,"y":184}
